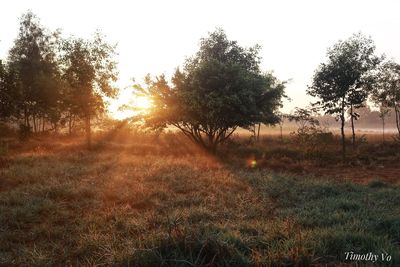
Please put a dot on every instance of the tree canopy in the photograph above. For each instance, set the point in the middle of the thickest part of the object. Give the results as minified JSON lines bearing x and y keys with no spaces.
{"x":219,"y":89}
{"x":89,"y":73}
{"x":385,"y":88}
{"x":32,"y":74}
{"x":339,"y":82}
{"x":48,"y":80}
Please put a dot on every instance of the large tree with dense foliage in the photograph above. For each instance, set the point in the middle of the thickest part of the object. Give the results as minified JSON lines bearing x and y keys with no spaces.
{"x":89,"y":73}
{"x":218,"y":90}
{"x":33,"y":78}
{"x":339,"y":82}
{"x":385,"y":88}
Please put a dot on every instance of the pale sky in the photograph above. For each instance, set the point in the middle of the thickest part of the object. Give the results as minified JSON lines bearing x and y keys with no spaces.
{"x":156,"y":36}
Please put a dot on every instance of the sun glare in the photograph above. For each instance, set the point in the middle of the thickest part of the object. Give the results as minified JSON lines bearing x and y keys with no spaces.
{"x":128,"y":105}
{"x":142,"y":103}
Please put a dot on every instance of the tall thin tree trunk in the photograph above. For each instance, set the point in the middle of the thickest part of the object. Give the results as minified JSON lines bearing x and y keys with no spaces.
{"x":342,"y":118}
{"x":26,"y":118}
{"x":383,"y":128}
{"x":397,"y":111}
{"x":70,"y":124}
{"x":28,"y":122}
{"x":258,"y":133}
{"x":352,"y":128}
{"x":43,"y":123}
{"x":34,"y":122}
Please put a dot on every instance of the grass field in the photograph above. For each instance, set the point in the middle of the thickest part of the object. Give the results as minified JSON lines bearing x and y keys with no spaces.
{"x":167,"y":204}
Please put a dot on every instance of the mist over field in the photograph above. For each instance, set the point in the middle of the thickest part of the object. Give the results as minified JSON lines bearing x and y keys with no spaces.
{"x":254,"y":133}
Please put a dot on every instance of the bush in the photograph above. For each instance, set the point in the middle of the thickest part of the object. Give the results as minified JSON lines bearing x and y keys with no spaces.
{"x":6,"y":131}
{"x":313,"y":140}
{"x":24,"y":132}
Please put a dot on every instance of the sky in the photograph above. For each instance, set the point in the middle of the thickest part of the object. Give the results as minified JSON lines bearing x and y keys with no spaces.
{"x":156,"y":36}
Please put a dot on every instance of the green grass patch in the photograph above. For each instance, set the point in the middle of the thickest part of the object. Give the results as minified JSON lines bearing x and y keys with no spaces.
{"x":108,"y":207}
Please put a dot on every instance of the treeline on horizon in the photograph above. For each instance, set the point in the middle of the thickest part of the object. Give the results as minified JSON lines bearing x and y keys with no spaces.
{"x":369,"y":117}
{"x":49,"y":82}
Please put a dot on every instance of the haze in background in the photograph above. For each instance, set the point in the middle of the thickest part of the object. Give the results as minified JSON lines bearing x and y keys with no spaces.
{"x":156,"y":36}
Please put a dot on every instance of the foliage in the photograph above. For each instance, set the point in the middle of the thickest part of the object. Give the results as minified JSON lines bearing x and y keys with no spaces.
{"x":48,"y":80}
{"x":385,"y":88}
{"x":33,"y":76}
{"x":89,"y":71}
{"x":309,"y":136}
{"x":340,"y":82}
{"x":304,"y":117}
{"x":219,"y":89}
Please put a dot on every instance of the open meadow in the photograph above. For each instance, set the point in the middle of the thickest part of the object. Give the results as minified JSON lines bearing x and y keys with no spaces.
{"x":138,"y":133}
{"x":147,"y":201}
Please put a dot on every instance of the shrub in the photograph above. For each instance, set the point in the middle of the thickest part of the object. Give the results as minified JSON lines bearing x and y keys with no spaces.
{"x":24,"y":132}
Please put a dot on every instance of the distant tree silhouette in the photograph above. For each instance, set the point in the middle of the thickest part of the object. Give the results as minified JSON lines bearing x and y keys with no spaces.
{"x":304,"y":117}
{"x":385,"y":89}
{"x":383,"y":113}
{"x":339,"y":83}
{"x":219,"y":89}
{"x":89,"y":71}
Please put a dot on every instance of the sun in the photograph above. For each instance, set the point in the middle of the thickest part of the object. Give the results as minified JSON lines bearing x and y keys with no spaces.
{"x":142,"y":103}
{"x":128,"y":105}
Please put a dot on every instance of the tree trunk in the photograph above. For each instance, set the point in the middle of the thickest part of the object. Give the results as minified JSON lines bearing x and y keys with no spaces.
{"x":34,"y":122}
{"x":70,"y":124}
{"x":214,"y":148}
{"x":383,"y":128}
{"x":88,"y":132}
{"x":43,"y":120}
{"x":27,"y":122}
{"x":258,"y":132}
{"x":397,"y":111}
{"x":212,"y":143}
{"x":352,"y":128}
{"x":342,"y":118}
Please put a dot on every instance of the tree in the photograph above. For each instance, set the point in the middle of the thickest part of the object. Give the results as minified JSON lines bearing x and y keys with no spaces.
{"x":219,"y":89}
{"x":339,"y":83}
{"x":89,"y":71}
{"x":33,"y":73}
{"x":385,"y":88}
{"x":304,"y":117}
{"x":383,"y":113}
{"x":282,"y":118}
{"x":7,"y":107}
{"x":3,"y":93}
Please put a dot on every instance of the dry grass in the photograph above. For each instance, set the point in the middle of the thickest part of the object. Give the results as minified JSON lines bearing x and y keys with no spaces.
{"x":166,"y":203}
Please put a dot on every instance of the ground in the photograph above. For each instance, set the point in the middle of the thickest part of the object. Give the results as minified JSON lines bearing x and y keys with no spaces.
{"x":165,"y":203}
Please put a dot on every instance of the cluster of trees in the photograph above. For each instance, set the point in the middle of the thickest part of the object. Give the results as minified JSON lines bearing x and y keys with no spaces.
{"x":49,"y":82}
{"x":222,"y":87}
{"x":351,"y":74}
